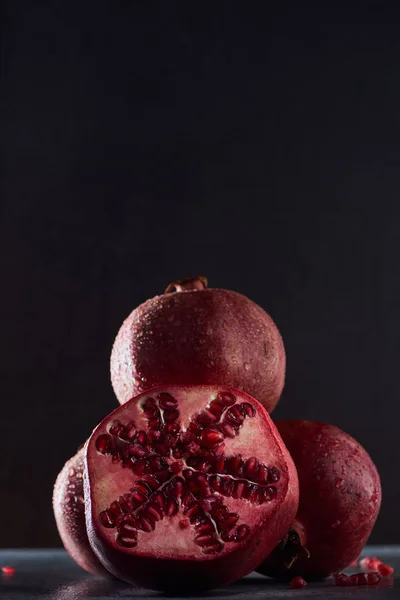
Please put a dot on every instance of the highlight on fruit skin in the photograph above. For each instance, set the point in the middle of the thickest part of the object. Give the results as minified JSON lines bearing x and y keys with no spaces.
{"x":180,"y":492}
{"x":69,"y":513}
{"x":192,"y":334}
{"x":340,"y":498}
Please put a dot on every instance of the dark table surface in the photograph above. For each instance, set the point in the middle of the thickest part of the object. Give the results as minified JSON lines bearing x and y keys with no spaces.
{"x":51,"y":574}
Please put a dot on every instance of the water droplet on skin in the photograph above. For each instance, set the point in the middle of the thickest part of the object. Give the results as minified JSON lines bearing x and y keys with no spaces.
{"x":335,"y":524}
{"x":234,"y":359}
{"x":71,"y":472}
{"x":225,"y":326}
{"x":246,"y":366}
{"x":338,"y":483}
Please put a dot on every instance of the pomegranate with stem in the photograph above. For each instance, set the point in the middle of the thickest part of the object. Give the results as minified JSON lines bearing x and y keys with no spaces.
{"x":197,"y":335}
{"x":187,"y":488}
{"x":69,"y":513}
{"x":340,"y":497}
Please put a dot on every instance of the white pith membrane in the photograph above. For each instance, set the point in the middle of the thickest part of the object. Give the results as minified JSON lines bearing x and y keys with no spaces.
{"x":174,"y":536}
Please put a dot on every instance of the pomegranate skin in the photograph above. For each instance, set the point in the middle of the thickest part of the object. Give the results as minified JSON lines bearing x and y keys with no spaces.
{"x":185,"y":567}
{"x":69,"y":513}
{"x":340,"y":498}
{"x":199,"y":336}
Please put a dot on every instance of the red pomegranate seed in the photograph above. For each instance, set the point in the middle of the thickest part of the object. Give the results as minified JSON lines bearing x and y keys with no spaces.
{"x":8,"y":570}
{"x":241,"y":533}
{"x":298,"y":583}
{"x":247,"y":409}
{"x":165,"y":400}
{"x":373,"y":578}
{"x":184,"y":523}
{"x":385,"y":570}
{"x":226,"y":398}
{"x":103,"y":444}
{"x":341,"y":579}
{"x":352,"y":580}
{"x":212,"y":437}
{"x":362,"y":579}
{"x":374,"y":563}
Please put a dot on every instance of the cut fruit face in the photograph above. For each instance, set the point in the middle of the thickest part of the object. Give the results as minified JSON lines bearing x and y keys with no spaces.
{"x":184,"y":473}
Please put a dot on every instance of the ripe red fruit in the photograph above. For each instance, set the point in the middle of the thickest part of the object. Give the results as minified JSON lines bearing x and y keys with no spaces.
{"x":385,"y":570}
{"x":340,"y":497}
{"x":69,"y":512}
{"x":193,"y":335}
{"x":298,"y":583}
{"x":169,"y":505}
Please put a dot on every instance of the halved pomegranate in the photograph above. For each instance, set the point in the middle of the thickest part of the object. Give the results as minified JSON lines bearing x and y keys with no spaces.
{"x":187,"y":487}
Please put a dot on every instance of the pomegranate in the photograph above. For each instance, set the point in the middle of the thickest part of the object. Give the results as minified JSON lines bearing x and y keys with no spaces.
{"x":69,"y":512}
{"x":340,"y":497}
{"x":195,"y":335}
{"x":187,"y":487}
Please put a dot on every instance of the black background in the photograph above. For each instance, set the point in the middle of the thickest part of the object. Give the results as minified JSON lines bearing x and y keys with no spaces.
{"x":144,"y":142}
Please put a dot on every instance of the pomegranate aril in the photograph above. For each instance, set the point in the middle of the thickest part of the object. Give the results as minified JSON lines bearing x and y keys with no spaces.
{"x":215,"y":482}
{"x":153,"y":511}
{"x":262,"y":474}
{"x":298,"y":583}
{"x":205,"y":540}
{"x":147,"y":524}
{"x":273,"y":475}
{"x":228,"y":536}
{"x":228,"y":522}
{"x":234,"y":466}
{"x":192,"y":511}
{"x":154,"y":424}
{"x":104,"y":444}
{"x":136,"y":451}
{"x":214,"y":549}
{"x":227,"y":485}
{"x":172,"y":507}
{"x":385,"y":570}
{"x":152,"y":482}
{"x":373,"y":578}
{"x":212,"y":437}
{"x":234,"y":416}
{"x":8,"y":570}
{"x":139,"y":466}
{"x":137,"y":497}
{"x":341,"y":580}
{"x":125,"y":503}
{"x":170,"y":416}
{"x":226,"y":398}
{"x":268,"y":494}
{"x":247,"y":410}
{"x":204,"y":528}
{"x":228,"y":430}
{"x":220,"y":512}
{"x":107,"y":518}
{"x":176,"y":466}
{"x":149,"y":405}
{"x":161,"y":449}
{"x":160,"y":499}
{"x":238,"y":489}
{"x":251,"y":467}
{"x":126,"y":542}
{"x":184,"y":523}
{"x":352,"y":580}
{"x":141,"y":438}
{"x":115,"y":428}
{"x":165,"y":400}
{"x":241,"y":533}
{"x":362,"y":579}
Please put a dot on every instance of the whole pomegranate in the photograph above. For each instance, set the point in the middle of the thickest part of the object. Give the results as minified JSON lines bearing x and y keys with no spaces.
{"x":187,"y":488}
{"x":340,"y":497}
{"x":195,"y":335}
{"x":69,"y":512}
